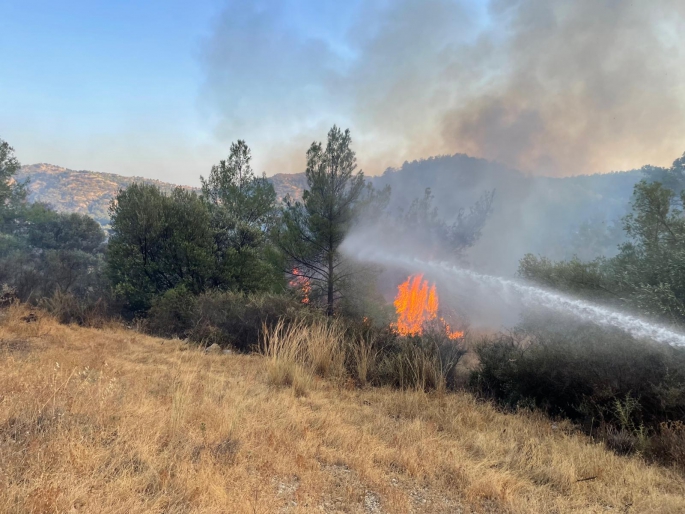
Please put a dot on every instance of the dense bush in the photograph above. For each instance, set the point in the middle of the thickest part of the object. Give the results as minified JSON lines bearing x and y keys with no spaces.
{"x":43,"y":252}
{"x":621,"y":389}
{"x":589,"y":374}
{"x":226,"y":318}
{"x":174,"y":314}
{"x":237,"y":320}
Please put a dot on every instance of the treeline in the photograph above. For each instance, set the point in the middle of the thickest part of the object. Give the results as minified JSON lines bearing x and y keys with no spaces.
{"x":233,"y":237}
{"x":169,"y":256}
{"x":44,"y":253}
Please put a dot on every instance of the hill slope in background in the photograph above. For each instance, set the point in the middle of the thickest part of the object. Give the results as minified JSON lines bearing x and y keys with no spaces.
{"x":90,"y":192}
{"x":117,"y":421}
{"x":558,"y":217}
{"x":85,"y":192}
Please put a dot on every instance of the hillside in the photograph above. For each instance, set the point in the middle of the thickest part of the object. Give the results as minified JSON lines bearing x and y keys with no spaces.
{"x":116,"y":421}
{"x":556,"y":217}
{"x":90,"y":192}
{"x":85,"y":192}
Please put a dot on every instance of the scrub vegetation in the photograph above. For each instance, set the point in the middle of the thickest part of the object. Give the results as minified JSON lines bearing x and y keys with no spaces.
{"x":216,"y":349}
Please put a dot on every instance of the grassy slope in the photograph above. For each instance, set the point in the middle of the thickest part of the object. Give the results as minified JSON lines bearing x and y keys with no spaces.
{"x":114,"y":421}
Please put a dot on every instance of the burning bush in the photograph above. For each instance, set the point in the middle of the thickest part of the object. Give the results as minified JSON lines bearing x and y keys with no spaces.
{"x":417,"y":306}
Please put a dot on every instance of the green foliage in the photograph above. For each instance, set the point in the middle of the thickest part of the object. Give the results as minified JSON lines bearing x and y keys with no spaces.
{"x":575,"y":276}
{"x":648,"y":274}
{"x":237,"y":320}
{"x":12,"y":193}
{"x":242,"y":208}
{"x":173,"y":314}
{"x":46,"y":229}
{"x":672,"y":178}
{"x":43,"y":253}
{"x":158,"y":242}
{"x":591,"y":375}
{"x":312,"y":231}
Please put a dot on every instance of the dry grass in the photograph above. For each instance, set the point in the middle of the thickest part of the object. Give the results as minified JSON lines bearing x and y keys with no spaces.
{"x":299,"y":351}
{"x":113,"y":421}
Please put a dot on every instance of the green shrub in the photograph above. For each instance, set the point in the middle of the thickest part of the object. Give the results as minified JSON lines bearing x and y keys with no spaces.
{"x":237,"y":320}
{"x":173,"y":314}
{"x":596,"y":376}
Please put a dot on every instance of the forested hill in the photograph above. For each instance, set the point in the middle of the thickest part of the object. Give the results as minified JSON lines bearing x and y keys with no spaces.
{"x":555,"y":216}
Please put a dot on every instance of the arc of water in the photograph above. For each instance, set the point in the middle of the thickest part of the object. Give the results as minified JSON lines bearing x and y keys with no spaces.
{"x":531,"y":295}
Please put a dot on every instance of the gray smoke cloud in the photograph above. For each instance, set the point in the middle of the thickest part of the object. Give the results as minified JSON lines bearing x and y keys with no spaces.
{"x":586,"y":86}
{"x":546,"y":86}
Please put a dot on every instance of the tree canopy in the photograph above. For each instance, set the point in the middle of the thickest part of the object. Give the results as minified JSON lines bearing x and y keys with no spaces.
{"x":242,"y":210}
{"x":311,"y":231}
{"x":158,"y":242}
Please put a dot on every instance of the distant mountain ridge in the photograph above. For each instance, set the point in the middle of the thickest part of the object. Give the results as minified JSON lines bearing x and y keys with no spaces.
{"x":90,"y":192}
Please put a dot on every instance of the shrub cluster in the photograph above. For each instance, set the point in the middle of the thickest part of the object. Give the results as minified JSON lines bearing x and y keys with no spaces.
{"x":226,"y":318}
{"x":285,"y":329}
{"x":624,"y":390}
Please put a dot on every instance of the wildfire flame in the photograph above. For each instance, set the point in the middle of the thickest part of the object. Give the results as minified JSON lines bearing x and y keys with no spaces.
{"x":417,"y":304}
{"x":301,"y":283}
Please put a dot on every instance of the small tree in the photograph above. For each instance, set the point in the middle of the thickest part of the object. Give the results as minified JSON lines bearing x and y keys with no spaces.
{"x":312,"y":231}
{"x":242,"y":208}
{"x":158,"y":242}
{"x":12,"y":193}
{"x":426,"y":227}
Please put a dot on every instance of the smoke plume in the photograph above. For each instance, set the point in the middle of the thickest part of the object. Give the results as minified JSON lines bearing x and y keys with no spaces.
{"x":547,"y":86}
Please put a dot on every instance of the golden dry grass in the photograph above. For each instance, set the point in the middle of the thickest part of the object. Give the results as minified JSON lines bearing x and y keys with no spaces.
{"x":113,"y":421}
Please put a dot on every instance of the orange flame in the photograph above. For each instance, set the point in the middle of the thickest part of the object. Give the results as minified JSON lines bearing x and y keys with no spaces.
{"x":301,"y":283}
{"x":417,"y":304}
{"x":452,"y":334}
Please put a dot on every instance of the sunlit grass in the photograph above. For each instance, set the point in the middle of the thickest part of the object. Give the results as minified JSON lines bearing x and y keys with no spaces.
{"x":114,"y":421}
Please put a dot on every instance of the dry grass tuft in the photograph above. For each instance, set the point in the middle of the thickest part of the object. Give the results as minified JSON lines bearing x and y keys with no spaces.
{"x":113,"y":421}
{"x":299,"y":351}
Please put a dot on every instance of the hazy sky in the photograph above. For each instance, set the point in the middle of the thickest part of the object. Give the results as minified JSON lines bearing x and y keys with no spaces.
{"x":161,"y":88}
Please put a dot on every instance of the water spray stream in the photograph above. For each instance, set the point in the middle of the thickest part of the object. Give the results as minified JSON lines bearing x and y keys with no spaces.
{"x":531,"y":295}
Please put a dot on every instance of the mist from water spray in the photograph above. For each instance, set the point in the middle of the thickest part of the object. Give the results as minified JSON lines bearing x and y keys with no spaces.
{"x":527,"y":295}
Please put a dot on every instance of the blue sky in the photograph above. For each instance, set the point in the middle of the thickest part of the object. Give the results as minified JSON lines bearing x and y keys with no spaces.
{"x":88,"y":82}
{"x":161,"y":88}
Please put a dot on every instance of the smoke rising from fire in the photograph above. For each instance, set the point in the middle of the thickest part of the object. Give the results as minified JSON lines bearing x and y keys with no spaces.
{"x":547,"y":86}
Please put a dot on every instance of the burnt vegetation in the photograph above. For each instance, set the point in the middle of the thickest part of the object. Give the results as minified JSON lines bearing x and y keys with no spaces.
{"x":233,"y":266}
